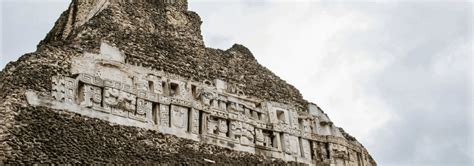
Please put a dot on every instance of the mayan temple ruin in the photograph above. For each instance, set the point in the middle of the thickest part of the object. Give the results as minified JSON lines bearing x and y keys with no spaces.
{"x":131,"y":82}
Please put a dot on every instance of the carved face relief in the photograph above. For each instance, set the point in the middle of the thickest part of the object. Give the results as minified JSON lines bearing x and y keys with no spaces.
{"x":235,"y":129}
{"x":111,"y":101}
{"x":247,"y":134}
{"x":127,"y":101}
{"x":143,"y":107}
{"x":97,"y":96}
{"x":207,"y":96}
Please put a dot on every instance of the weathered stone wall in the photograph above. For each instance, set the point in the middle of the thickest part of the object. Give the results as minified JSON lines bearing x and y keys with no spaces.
{"x":103,"y":86}
{"x":160,"y":35}
{"x":52,"y":136}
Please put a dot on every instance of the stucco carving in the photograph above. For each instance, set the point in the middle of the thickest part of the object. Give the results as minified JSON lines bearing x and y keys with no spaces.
{"x":164,"y":115}
{"x":248,"y":134}
{"x":212,"y":126}
{"x":195,"y":121}
{"x":179,"y":117}
{"x":223,"y":128}
{"x":259,"y":138}
{"x":204,"y":111}
{"x":64,"y":89}
{"x":143,"y":107}
{"x":92,"y":96}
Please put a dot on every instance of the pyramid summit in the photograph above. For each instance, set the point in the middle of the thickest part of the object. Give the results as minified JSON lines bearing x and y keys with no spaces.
{"x":131,"y":81}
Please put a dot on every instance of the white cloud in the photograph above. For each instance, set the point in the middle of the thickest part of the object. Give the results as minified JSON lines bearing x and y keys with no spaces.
{"x":375,"y":67}
{"x":301,"y":42}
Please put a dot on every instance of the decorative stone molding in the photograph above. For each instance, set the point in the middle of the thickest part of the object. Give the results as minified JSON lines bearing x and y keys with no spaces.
{"x":103,"y":86}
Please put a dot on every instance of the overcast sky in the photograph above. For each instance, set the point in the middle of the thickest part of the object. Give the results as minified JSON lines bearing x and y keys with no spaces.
{"x":396,"y":75}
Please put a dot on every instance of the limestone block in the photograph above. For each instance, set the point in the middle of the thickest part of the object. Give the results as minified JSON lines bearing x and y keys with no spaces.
{"x":221,"y":86}
{"x":179,"y":117}
{"x":294,"y":145}
{"x":111,"y":53}
{"x":286,"y":146}
{"x":164,"y":115}
{"x":306,"y":148}
{"x":195,"y":121}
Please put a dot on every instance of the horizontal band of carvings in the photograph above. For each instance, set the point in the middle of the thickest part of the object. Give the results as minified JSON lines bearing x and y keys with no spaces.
{"x":160,"y":99}
{"x":213,"y":112}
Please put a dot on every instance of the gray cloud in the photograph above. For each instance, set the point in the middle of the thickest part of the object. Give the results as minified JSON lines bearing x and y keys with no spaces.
{"x":397,"y":75}
{"x":24,"y":23}
{"x":428,"y":86}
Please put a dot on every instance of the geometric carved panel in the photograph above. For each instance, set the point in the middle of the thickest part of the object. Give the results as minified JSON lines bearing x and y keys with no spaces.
{"x":179,"y":117}
{"x":64,"y":89}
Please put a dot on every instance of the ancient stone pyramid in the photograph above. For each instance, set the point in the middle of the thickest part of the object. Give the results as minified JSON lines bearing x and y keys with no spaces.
{"x":131,"y":81}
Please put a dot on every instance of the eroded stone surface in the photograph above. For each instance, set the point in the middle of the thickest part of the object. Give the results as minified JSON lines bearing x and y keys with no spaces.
{"x":103,"y":86}
{"x":131,"y":82}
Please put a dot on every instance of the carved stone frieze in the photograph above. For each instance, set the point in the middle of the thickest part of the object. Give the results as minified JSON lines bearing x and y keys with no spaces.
{"x":248,"y":134}
{"x":223,"y":128}
{"x":64,"y":89}
{"x":91,"y":95}
{"x":217,"y":112}
{"x":235,"y":129}
{"x":143,"y":107}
